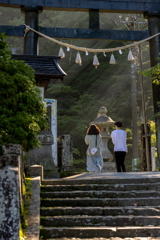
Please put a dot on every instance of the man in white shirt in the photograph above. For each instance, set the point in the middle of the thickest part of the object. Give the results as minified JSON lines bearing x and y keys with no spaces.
{"x":120,"y":147}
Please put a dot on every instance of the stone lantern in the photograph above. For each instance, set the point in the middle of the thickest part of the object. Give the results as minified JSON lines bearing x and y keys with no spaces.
{"x":104,"y":122}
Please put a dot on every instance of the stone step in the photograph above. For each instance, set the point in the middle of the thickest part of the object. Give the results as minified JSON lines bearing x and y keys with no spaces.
{"x":99,"y":187}
{"x":105,"y":211}
{"x":101,"y":194}
{"x":94,"y":232}
{"x":111,"y":221}
{"x":86,"y":202}
{"x":115,"y":180}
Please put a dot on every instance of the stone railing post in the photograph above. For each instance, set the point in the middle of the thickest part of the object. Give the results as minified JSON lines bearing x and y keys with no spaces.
{"x":43,"y":156}
{"x":65,"y":156}
{"x":10,"y":191}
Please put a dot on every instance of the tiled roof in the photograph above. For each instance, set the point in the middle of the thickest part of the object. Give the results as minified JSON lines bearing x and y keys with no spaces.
{"x":46,"y":67}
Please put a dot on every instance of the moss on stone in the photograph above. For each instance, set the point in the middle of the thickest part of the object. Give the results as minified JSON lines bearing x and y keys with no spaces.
{"x":21,"y":233}
{"x":24,"y":207}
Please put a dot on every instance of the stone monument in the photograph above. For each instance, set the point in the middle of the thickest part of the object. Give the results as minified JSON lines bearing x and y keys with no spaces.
{"x":46,"y":156}
{"x":104,"y":122}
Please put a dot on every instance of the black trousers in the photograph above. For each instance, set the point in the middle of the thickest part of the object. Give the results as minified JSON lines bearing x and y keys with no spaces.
{"x":120,"y":157}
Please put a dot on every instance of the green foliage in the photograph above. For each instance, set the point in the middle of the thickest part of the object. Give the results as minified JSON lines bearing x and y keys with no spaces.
{"x":4,"y":52}
{"x":75,"y":151}
{"x":80,"y":165}
{"x":21,"y":233}
{"x":154,"y":73}
{"x":22,"y":113}
{"x":153,"y":132}
{"x":13,"y":17}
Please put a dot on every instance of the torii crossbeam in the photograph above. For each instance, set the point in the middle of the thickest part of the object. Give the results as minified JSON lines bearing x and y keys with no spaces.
{"x":123,"y":6}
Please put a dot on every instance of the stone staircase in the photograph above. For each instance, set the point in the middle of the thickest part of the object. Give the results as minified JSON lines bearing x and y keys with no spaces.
{"x":100,"y":208}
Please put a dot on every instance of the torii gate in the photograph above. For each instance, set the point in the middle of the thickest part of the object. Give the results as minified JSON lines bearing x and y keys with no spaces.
{"x":149,"y":8}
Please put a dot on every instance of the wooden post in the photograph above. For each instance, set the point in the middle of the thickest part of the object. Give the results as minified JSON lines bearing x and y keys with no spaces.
{"x":94,"y":19}
{"x":154,"y":43}
{"x":143,"y":147}
{"x":31,"y":39}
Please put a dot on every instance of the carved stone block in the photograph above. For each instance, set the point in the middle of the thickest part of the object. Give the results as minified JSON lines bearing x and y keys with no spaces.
{"x":12,"y":149}
{"x":109,"y":166}
{"x":36,"y":170}
{"x":9,"y":160}
{"x":9,"y":204}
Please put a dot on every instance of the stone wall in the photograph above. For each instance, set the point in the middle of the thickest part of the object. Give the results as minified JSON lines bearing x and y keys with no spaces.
{"x":10,"y":192}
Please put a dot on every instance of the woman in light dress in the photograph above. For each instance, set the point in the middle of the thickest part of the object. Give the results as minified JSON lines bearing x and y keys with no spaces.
{"x":93,"y":140}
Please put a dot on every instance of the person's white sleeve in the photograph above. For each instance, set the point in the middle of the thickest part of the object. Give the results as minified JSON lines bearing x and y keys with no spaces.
{"x":113,"y":138}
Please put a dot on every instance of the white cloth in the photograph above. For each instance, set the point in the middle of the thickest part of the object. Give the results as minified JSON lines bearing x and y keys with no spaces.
{"x":90,"y":140}
{"x":94,"y":163}
{"x":119,"y":140}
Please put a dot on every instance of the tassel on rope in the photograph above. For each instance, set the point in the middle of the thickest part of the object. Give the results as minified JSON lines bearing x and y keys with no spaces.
{"x":61,"y":53}
{"x":95,"y":61}
{"x":78,"y":59}
{"x":104,"y":54}
{"x":130,"y":55}
{"x":87,"y":53}
{"x":68,"y":49}
{"x":120,"y":51}
{"x":112,"y":59}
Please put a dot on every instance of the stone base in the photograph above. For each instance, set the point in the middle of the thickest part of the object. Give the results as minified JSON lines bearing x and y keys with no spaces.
{"x":67,"y":169}
{"x":51,"y":174}
{"x":109,"y":166}
{"x":43,"y":157}
{"x":36,"y":170}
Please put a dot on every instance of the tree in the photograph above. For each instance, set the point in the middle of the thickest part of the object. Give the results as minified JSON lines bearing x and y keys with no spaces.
{"x":22,"y":112}
{"x":154,"y":74}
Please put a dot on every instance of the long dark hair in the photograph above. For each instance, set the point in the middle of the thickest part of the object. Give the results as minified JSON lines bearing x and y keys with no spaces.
{"x":93,"y":130}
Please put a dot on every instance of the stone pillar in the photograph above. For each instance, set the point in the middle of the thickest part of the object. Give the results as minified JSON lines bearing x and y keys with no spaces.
{"x":36,"y":171}
{"x":51,"y":105}
{"x":154,"y":43}
{"x":10,"y":192}
{"x":43,"y":156}
{"x":31,"y":38}
{"x":65,"y":158}
{"x":46,"y":156}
